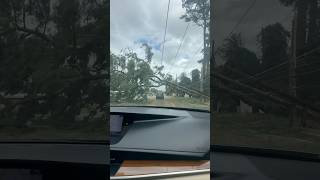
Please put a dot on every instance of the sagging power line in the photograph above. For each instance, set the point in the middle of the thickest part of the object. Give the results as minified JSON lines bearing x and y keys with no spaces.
{"x":165,"y":32}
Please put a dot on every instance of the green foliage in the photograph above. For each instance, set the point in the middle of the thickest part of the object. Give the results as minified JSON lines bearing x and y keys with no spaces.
{"x":132,"y":77}
{"x":273,"y":40}
{"x":185,"y":82}
{"x":51,"y":51}
{"x":197,"y":11}
{"x":238,"y":57}
{"x":195,"y":79}
{"x":170,"y":89}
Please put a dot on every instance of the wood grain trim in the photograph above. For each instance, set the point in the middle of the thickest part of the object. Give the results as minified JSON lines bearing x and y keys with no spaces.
{"x":143,"y":167}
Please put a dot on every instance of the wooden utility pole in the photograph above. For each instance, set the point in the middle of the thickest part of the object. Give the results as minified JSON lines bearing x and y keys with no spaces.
{"x":202,"y":76}
{"x":292,"y":72}
{"x":205,"y":60}
{"x":176,"y":83}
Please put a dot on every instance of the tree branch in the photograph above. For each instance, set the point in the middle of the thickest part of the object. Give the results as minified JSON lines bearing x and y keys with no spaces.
{"x":36,"y":33}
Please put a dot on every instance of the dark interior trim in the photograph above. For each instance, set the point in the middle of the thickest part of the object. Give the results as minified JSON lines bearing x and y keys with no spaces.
{"x":292,"y":155}
{"x":118,"y":156}
{"x":54,"y":141}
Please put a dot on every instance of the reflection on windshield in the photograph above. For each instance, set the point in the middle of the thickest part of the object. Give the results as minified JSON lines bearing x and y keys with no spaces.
{"x":160,"y":62}
{"x":267,"y":76}
{"x":53,"y":66}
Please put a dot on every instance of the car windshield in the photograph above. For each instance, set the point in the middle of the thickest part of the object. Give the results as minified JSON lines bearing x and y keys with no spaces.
{"x":266,"y":76}
{"x":53,"y":70}
{"x":160,"y":53}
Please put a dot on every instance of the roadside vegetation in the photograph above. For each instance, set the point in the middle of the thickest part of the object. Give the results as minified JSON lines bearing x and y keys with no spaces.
{"x":264,"y":131}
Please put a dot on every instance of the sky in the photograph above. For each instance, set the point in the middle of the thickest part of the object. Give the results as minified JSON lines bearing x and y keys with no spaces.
{"x":133,"y":22}
{"x":137,"y":21}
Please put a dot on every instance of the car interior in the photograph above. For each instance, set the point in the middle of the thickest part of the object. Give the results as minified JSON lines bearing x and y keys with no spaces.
{"x":53,"y":160}
{"x":133,"y":151}
{"x":174,"y":72}
{"x":252,"y":163}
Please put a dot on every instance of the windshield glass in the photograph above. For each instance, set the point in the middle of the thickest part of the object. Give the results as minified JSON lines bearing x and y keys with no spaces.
{"x":160,"y":53}
{"x":266,"y":76}
{"x":53,"y":69}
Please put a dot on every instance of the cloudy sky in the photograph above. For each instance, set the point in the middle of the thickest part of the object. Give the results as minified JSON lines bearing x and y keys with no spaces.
{"x":137,"y":21}
{"x":264,"y":12}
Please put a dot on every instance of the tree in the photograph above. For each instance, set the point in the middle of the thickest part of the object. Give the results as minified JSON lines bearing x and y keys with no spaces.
{"x":199,"y":13}
{"x":132,"y":77}
{"x":308,"y":17}
{"x":185,"y":82}
{"x":169,"y":89}
{"x":238,"y":57}
{"x":195,"y":79}
{"x":52,"y":53}
{"x":307,"y":31}
{"x":273,"y":40}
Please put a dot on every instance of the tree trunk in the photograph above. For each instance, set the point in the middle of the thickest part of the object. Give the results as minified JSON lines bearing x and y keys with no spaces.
{"x":301,"y":7}
{"x":292,"y":72}
{"x":204,"y":58}
{"x":312,"y":26}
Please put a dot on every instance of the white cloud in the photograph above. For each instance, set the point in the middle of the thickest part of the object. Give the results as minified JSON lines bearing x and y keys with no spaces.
{"x":137,"y":20}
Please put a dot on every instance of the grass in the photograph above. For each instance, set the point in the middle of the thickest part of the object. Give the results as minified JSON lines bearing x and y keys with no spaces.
{"x":263,"y":131}
{"x":172,"y":101}
{"x":87,"y":130}
{"x":54,"y":133}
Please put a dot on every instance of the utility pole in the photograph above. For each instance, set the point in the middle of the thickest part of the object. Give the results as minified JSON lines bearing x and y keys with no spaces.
{"x":205,"y":56}
{"x":176,"y":84}
{"x":205,"y":60}
{"x":202,"y":76}
{"x":292,"y":72}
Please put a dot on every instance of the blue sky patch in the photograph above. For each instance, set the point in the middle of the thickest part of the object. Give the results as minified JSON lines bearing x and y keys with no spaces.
{"x":150,"y":41}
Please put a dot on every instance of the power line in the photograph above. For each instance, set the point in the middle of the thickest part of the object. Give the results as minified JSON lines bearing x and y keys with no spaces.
{"x":165,"y":32}
{"x":299,"y":59}
{"x":197,"y":51}
{"x":297,"y":75}
{"x":182,"y":40}
{"x":284,"y":76}
{"x":198,"y":2}
{"x":309,"y":85}
{"x":240,"y":20}
{"x":306,"y":73}
{"x":308,"y":65}
{"x":265,"y":71}
{"x":194,"y":55}
{"x":242,"y":17}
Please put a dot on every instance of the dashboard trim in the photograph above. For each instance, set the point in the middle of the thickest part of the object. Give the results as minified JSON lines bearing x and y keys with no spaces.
{"x":163,"y":175}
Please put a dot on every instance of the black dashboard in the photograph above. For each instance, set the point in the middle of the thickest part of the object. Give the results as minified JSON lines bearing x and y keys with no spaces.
{"x":143,"y":127}
{"x":46,"y":161}
{"x":154,"y":133}
{"x":120,"y":123}
{"x":244,"y":165}
{"x":160,"y":131}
